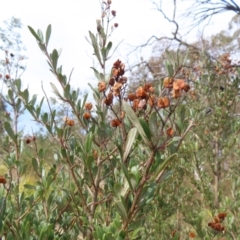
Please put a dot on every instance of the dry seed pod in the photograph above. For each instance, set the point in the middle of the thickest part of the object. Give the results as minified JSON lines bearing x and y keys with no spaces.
{"x":168,"y":82}
{"x":140,"y":93}
{"x":101,"y":86}
{"x":176,"y":93}
{"x":163,"y":102}
{"x":87,"y":115}
{"x":170,"y":132}
{"x":179,"y":84}
{"x":70,"y":122}
{"x":115,"y":123}
{"x":88,"y":106}
{"x":3,"y":180}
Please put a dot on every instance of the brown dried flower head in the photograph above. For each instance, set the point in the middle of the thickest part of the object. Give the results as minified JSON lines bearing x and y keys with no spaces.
{"x":115,"y":123}
{"x":117,"y":86}
{"x":179,"y":84}
{"x":132,"y":97}
{"x":222,"y":216}
{"x":151,"y":100}
{"x":113,"y":13}
{"x":28,"y":140}
{"x":7,"y":76}
{"x":88,"y":106}
{"x":168,"y":82}
{"x":70,"y":122}
{"x":192,"y":235}
{"x":176,"y":93}
{"x":142,"y":104}
{"x":123,"y":80}
{"x":163,"y":102}
{"x":3,"y":180}
{"x":111,"y":81}
{"x":135,"y":104}
{"x":87,"y":115}
{"x":140,"y":93}
{"x":102,"y":86}
{"x":170,"y":132}
{"x":117,"y":64}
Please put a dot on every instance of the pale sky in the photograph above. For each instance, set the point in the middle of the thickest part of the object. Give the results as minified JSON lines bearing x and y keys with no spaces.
{"x":71,"y":20}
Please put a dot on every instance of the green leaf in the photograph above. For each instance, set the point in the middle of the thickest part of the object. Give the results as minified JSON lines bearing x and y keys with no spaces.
{"x":48,"y":34}
{"x":121,"y":209}
{"x":55,"y":90}
{"x":130,"y":139}
{"x":54,"y":57}
{"x":95,"y":47}
{"x":34,"y":34}
{"x":40,"y":34}
{"x":109,"y":46}
{"x":28,"y":186}
{"x":10,"y":132}
{"x":125,"y":171}
{"x":145,"y":128}
{"x":88,"y":144}
{"x":134,"y":120}
{"x":35,"y":165}
{"x":153,"y":126}
{"x":164,"y":165}
{"x":2,"y":208}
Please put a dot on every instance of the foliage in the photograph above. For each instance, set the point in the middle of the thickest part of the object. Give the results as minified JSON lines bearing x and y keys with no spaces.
{"x":111,"y":156}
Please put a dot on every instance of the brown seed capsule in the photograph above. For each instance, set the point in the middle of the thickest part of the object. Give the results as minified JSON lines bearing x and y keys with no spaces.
{"x":192,"y":235}
{"x":87,"y":115}
{"x":179,"y":84}
{"x":142,"y":104}
{"x":163,"y":102}
{"x":115,"y":25}
{"x":7,"y":76}
{"x":88,"y":106}
{"x":147,"y":86}
{"x":70,"y":122}
{"x":115,"y":123}
{"x":123,"y":80}
{"x":186,"y":88}
{"x":101,"y":86}
{"x":117,"y":86}
{"x":168,"y":82}
{"x":111,"y":81}
{"x":28,"y":140}
{"x":113,"y":13}
{"x":115,"y":72}
{"x":176,"y":93}
{"x":140,"y":93}
{"x":3,"y":180}
{"x":132,"y":96}
{"x":135,"y":104}
{"x":151,"y":101}
{"x":117,"y":64}
{"x":110,"y":96}
{"x":170,"y":132}
{"x":108,"y":101}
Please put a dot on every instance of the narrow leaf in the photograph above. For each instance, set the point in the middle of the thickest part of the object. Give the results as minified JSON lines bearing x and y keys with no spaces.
{"x":34,"y":34}
{"x":10,"y":132}
{"x":134,"y":120}
{"x":48,"y":34}
{"x":130,"y":139}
